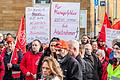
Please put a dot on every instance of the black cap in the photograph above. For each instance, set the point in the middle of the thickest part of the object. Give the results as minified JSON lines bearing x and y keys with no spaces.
{"x":117,"y":43}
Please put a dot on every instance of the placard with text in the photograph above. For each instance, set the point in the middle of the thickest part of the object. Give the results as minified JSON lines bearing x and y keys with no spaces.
{"x":38,"y":23}
{"x":65,"y":20}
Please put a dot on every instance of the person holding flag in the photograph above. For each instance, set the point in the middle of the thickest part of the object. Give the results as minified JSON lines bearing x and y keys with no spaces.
{"x":102,"y":37}
{"x":12,"y":58}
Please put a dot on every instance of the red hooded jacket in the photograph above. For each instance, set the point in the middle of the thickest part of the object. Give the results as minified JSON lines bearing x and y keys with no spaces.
{"x":29,"y":63}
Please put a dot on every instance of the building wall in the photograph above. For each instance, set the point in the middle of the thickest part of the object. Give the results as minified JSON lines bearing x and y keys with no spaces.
{"x":12,"y":10}
{"x":110,"y":11}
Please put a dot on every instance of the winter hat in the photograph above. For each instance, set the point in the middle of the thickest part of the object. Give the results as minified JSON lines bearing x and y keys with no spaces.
{"x":54,"y":39}
{"x":9,"y":39}
{"x":117,"y":43}
{"x":62,"y":44}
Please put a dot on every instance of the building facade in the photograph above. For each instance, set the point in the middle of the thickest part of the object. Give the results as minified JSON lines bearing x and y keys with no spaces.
{"x":12,"y":10}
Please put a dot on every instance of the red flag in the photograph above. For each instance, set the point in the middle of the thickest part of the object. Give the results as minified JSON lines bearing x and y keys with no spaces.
{"x":106,"y":24}
{"x":21,"y":38}
{"x":116,"y":26}
{"x":14,"y":58}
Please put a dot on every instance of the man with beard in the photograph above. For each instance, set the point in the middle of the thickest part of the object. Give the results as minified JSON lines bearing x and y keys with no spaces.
{"x":11,"y":60}
{"x":70,"y":66}
{"x":85,"y":39}
{"x":102,"y":46}
{"x":92,"y":59}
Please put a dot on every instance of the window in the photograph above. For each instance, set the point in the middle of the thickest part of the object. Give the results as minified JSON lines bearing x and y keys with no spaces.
{"x":42,"y":1}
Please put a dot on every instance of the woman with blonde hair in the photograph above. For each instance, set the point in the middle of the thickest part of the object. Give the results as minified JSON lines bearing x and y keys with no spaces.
{"x":51,"y":70}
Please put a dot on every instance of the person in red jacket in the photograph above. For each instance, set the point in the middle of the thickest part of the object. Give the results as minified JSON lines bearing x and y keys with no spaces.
{"x":30,"y":61}
{"x":102,"y":46}
{"x":2,"y":68}
{"x":101,"y":55}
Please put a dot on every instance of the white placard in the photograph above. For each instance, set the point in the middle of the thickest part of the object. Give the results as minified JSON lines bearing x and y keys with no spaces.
{"x":111,"y":34}
{"x":65,"y":19}
{"x":38,"y":23}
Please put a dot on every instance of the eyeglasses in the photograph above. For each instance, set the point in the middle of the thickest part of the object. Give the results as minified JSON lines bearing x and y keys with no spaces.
{"x":58,"y":50}
{"x":52,"y":45}
{"x":87,"y":49}
{"x":116,"y":48}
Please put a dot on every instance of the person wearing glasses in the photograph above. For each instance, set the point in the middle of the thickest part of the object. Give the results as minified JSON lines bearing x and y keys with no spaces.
{"x":113,"y":68}
{"x":70,"y":66}
{"x":95,"y":69}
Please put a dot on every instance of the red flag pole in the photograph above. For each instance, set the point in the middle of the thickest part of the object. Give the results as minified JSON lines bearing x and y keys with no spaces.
{"x":13,"y":50}
{"x":16,"y":40}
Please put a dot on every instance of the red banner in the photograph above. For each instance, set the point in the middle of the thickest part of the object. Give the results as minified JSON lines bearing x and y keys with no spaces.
{"x":116,"y":26}
{"x":106,"y":24}
{"x":21,"y":38}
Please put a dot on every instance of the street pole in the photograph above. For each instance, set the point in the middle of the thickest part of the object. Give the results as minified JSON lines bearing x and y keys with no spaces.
{"x":94,"y":21}
{"x":96,"y":3}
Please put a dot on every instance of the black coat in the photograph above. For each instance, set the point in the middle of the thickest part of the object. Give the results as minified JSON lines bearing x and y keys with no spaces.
{"x":84,"y":66}
{"x":71,"y":68}
{"x":46,"y":53}
{"x":94,"y":67}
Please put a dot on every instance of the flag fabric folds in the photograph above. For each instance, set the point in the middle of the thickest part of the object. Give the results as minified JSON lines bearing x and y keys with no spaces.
{"x":20,"y":43}
{"x":21,"y":38}
{"x":106,"y":24}
{"x":116,"y":26}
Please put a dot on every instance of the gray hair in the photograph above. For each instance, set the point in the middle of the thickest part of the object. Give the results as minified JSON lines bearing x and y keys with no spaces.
{"x":74,"y":44}
{"x":102,"y":52}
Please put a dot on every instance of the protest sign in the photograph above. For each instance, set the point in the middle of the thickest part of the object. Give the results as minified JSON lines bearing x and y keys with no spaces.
{"x":65,"y":20}
{"x":111,"y":34}
{"x":38,"y":23}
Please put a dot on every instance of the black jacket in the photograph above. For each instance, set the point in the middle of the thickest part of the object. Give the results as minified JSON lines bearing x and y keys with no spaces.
{"x":84,"y":66}
{"x":95,"y":67}
{"x":47,"y":52}
{"x":71,"y":68}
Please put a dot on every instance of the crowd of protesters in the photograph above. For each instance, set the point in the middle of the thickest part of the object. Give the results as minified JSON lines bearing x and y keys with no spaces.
{"x":86,"y":59}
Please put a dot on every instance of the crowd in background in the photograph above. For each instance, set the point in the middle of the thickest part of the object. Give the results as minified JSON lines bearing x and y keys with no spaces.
{"x":87,"y":59}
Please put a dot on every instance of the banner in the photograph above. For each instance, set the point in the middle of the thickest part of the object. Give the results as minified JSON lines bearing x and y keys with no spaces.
{"x":111,"y":34}
{"x":65,"y":20}
{"x":38,"y":23}
{"x":106,"y":24}
{"x":116,"y":25}
{"x":21,"y":36}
